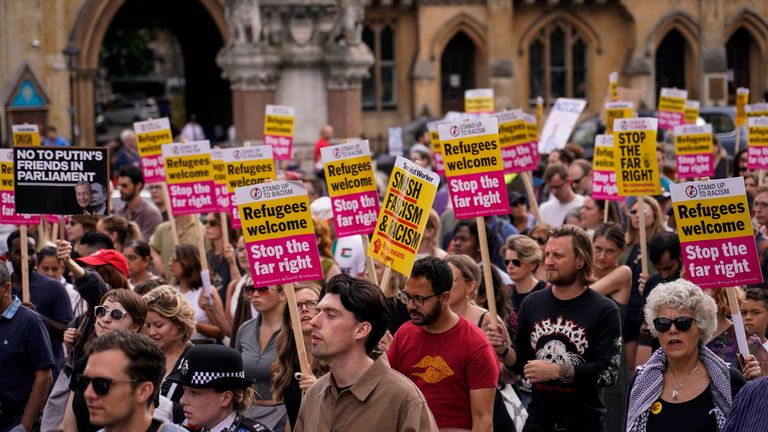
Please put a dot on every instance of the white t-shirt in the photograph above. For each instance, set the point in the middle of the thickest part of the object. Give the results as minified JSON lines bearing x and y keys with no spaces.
{"x":350,"y":255}
{"x":553,"y":211}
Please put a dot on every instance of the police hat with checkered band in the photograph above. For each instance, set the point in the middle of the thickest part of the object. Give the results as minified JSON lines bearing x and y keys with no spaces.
{"x":211,"y":366}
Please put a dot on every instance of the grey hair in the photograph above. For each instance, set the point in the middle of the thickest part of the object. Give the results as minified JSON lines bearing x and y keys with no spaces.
{"x":681,"y":294}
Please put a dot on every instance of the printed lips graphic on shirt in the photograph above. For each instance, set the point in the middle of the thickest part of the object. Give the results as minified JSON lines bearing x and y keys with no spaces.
{"x":435,"y":369}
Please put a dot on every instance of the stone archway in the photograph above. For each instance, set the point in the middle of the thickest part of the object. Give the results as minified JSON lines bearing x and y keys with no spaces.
{"x":674,"y":32}
{"x":746,"y":35}
{"x":87,"y":36}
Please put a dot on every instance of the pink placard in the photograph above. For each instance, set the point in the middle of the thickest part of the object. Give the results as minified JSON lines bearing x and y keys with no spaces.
{"x":234,"y":215}
{"x":281,"y":146}
{"x":604,"y":186}
{"x":193,"y":198}
{"x":439,"y":167}
{"x":284,"y":260}
{"x":757,"y":158}
{"x":222,"y":198}
{"x":153,"y":169}
{"x":709,"y":262}
{"x":8,"y":213}
{"x":695,"y":165}
{"x":521,"y":158}
{"x":669,"y":119}
{"x":355,"y":213}
{"x":475,"y":195}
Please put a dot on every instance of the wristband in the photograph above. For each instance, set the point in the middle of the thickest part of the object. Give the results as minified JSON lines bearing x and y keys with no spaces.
{"x":504,"y":354}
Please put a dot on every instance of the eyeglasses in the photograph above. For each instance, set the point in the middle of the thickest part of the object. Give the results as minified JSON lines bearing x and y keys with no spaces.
{"x":309,"y":304}
{"x":250,"y":289}
{"x":210,"y":222}
{"x":115,"y":314}
{"x":682,"y":323}
{"x":540,"y":240}
{"x":100,"y":385}
{"x":418,"y":301}
{"x":761,"y":204}
{"x":633,"y":212}
{"x":515,"y":262}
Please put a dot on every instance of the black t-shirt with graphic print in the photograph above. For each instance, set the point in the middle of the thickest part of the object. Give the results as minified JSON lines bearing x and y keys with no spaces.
{"x":584,"y":332}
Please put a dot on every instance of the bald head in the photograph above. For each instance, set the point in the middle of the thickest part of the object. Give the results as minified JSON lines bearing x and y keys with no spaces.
{"x":326,"y":132}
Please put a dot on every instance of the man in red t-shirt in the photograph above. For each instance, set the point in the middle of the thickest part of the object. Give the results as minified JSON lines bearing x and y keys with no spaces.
{"x":448,"y":358}
{"x":326,"y":133}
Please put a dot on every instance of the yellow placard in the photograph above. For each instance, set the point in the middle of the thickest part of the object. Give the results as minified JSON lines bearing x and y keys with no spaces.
{"x":691,"y":114}
{"x":757,"y":136}
{"x":266,"y":220}
{"x":672,"y":104}
{"x":637,"y":169}
{"x":693,"y":144}
{"x":478,"y":105}
{"x":185,"y":169}
{"x":757,"y":110}
{"x":219,"y":171}
{"x":402,"y":220}
{"x":539,"y":113}
{"x":349,"y":176}
{"x":603,"y":159}
{"x":472,"y":155}
{"x":742,"y":99}
{"x":26,"y":139}
{"x":611,"y":114}
{"x":249,"y":172}
{"x":6,"y":176}
{"x":513,"y":133}
{"x":278,"y":125}
{"x":533,"y":131}
{"x":150,"y":143}
{"x":434,"y":139}
{"x":696,"y":220}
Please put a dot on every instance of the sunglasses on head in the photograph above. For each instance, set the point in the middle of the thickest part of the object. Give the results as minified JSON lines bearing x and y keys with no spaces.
{"x":682,"y":323}
{"x":102,"y":311}
{"x":211,"y":223}
{"x":515,"y":262}
{"x":100,"y":385}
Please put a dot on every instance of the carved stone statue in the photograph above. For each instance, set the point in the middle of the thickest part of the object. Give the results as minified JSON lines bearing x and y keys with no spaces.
{"x":244,"y":18}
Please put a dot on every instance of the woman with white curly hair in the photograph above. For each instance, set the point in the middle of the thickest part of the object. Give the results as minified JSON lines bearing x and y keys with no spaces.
{"x":683,"y":386}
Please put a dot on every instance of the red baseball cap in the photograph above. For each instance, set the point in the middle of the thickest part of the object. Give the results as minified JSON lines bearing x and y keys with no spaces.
{"x":107,"y":256}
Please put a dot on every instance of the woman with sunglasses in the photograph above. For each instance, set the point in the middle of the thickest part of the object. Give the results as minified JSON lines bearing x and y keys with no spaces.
{"x":185,"y":267}
{"x":78,"y":225}
{"x":654,"y":223}
{"x":119,"y":309}
{"x":523,"y":256}
{"x":683,"y":386}
{"x":221,"y":257}
{"x":256,"y":342}
{"x":288,"y":383}
{"x":540,"y":233}
{"x":170,"y":324}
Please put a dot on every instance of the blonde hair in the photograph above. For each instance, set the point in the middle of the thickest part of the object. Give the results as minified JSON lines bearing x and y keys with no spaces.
{"x":633,"y":234}
{"x":467,"y":267}
{"x":433,"y":221}
{"x":527,"y":249}
{"x":167,"y":302}
{"x":242,"y":399}
{"x":720,"y":296}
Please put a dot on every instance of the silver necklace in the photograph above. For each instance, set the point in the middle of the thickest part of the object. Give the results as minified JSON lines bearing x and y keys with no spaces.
{"x":676,"y":390}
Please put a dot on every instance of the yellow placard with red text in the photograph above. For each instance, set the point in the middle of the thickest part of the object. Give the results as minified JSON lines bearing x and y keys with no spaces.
{"x":25,"y":135}
{"x":403,"y":216}
{"x":478,"y":101}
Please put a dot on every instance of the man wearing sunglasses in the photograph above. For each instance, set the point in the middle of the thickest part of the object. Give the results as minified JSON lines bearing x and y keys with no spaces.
{"x":568,"y":340}
{"x":25,"y":361}
{"x":447,"y":357}
{"x":121,"y":382}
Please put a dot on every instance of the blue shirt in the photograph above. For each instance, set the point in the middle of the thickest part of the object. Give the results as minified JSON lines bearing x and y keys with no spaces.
{"x":24,"y":349}
{"x":58,"y":142}
{"x":52,"y":301}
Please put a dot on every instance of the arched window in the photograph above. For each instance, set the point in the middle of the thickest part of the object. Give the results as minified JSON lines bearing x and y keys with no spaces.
{"x":557,"y":58}
{"x":380,"y":88}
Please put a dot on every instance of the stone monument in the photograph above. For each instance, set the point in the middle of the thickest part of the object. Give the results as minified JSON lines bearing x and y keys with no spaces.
{"x":304,"y":53}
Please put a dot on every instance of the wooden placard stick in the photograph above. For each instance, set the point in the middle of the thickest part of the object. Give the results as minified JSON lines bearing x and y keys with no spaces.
{"x":531,"y":195}
{"x":738,"y":323}
{"x":298,"y":336}
{"x":605,"y":211}
{"x":23,"y":243}
{"x":643,"y":242}
{"x":171,"y":220}
{"x":490,"y":295}
{"x":370,"y":270}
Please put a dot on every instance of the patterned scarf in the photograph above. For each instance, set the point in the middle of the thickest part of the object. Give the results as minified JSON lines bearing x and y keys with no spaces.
{"x":650,"y":378}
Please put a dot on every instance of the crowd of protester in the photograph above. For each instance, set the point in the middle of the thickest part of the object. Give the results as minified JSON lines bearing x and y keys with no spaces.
{"x":120,"y":334}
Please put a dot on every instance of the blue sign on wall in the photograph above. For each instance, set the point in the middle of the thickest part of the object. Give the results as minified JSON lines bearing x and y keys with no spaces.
{"x":27,"y":96}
